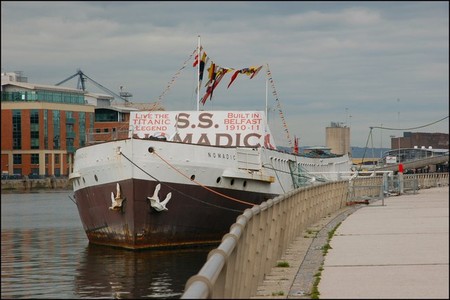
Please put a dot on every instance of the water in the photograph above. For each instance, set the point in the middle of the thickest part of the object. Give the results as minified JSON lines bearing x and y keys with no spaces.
{"x":46,"y":254}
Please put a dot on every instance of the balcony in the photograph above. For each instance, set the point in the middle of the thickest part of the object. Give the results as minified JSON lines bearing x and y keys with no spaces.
{"x":70,"y":120}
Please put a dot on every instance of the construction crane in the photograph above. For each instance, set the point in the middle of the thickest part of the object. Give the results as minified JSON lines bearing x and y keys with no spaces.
{"x":82,"y":86}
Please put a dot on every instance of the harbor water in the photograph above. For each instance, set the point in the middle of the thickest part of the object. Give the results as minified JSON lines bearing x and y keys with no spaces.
{"x":46,"y":254}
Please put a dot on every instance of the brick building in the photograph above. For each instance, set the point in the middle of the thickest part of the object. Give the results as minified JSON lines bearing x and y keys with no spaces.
{"x":420,"y":139}
{"x":41,"y":126}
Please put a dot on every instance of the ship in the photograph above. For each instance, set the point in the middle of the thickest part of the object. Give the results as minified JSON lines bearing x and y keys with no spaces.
{"x":181,"y":178}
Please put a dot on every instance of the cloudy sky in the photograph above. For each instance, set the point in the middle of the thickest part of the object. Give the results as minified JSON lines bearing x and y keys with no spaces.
{"x":362,"y":64}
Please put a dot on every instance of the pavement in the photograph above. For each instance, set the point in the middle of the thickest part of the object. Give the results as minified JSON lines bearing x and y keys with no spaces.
{"x":396,"y":248}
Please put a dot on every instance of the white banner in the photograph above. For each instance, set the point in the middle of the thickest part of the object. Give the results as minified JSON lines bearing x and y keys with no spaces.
{"x":216,"y":128}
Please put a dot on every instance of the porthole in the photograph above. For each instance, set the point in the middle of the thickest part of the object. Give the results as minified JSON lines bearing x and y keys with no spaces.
{"x":192,"y":177}
{"x":151,"y":150}
{"x":95,"y":177}
{"x":232,"y":181}
{"x":244,"y":184}
{"x":218,"y":179}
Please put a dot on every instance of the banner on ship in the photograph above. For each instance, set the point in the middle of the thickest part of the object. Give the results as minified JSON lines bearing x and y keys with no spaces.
{"x":215,"y":128}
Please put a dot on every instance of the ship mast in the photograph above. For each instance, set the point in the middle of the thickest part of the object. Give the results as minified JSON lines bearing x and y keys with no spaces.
{"x":267,"y":88}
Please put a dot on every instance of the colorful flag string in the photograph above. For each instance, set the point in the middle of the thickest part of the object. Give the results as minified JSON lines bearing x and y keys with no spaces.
{"x":175,"y":77}
{"x":280,"y":112}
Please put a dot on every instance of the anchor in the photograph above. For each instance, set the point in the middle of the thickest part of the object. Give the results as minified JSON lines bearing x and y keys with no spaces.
{"x":116,"y":201}
{"x":156,"y":203}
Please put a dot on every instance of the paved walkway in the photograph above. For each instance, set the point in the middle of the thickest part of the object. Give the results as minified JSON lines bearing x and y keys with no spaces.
{"x":396,"y":250}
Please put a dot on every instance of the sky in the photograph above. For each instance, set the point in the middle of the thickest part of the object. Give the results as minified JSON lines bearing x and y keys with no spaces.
{"x":359,"y":64}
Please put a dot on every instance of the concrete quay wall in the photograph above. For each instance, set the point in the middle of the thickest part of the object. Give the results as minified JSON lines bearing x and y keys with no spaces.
{"x":35,"y":184}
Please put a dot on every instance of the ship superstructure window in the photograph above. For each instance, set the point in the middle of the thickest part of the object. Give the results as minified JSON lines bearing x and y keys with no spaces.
{"x":17,"y":129}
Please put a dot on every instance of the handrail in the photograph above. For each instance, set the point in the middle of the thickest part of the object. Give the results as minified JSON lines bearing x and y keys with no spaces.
{"x":262,"y":233}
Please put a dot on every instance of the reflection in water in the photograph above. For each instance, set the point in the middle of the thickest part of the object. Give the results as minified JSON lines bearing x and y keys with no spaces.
{"x":46,"y":255}
{"x":118,"y":273}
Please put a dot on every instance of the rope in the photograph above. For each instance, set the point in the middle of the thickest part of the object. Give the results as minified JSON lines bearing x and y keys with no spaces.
{"x":169,"y":85}
{"x":173,"y":189}
{"x":387,"y":128}
{"x":203,"y":186}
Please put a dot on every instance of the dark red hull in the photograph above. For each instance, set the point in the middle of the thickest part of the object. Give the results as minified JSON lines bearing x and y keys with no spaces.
{"x":195,"y":215}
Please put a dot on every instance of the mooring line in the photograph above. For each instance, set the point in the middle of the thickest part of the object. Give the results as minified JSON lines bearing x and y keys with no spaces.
{"x":178,"y":191}
{"x":202,"y":185}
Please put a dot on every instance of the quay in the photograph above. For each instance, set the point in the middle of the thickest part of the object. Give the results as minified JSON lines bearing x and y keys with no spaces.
{"x":337,"y":240}
{"x":27,"y":184}
{"x":399,"y":250}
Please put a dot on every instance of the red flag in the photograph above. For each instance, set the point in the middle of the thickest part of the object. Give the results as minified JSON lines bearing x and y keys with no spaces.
{"x":211,"y":88}
{"x":295,"y":145}
{"x":234,"y":77}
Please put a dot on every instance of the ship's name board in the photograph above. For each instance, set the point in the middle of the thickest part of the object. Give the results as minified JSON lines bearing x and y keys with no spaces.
{"x":217,"y":128}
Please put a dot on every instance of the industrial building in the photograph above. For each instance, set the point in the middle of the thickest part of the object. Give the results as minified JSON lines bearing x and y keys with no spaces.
{"x":338,"y":138}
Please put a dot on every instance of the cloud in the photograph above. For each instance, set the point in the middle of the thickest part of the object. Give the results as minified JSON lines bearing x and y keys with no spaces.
{"x":329,"y":60}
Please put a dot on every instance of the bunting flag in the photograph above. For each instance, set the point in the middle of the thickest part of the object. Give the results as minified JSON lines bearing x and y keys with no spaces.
{"x":280,"y":112}
{"x":295,"y":145}
{"x":196,"y":57}
{"x":256,"y":71}
{"x":251,"y":72}
{"x":214,"y":83}
{"x":203,"y":63}
{"x":169,"y":85}
{"x":216,"y":74}
{"x":233,"y":77}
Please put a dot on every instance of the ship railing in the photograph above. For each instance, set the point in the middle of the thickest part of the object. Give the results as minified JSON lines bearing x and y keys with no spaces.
{"x":262,"y":234}
{"x":107,"y":134}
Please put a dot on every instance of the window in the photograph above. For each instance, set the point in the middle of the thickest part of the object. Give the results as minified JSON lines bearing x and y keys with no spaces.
{"x":17,"y":159}
{"x":17,"y":129}
{"x":56,"y":129}
{"x":35,"y":158}
{"x":45,"y":129}
{"x":82,"y":128}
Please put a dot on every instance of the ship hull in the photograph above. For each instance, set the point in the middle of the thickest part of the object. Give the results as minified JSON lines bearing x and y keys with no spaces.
{"x":206,"y":187}
{"x":136,"y":225}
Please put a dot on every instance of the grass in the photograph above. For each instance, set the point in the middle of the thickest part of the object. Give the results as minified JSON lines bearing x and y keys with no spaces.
{"x":315,"y":291}
{"x":283,"y":264}
{"x":279,"y":293}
